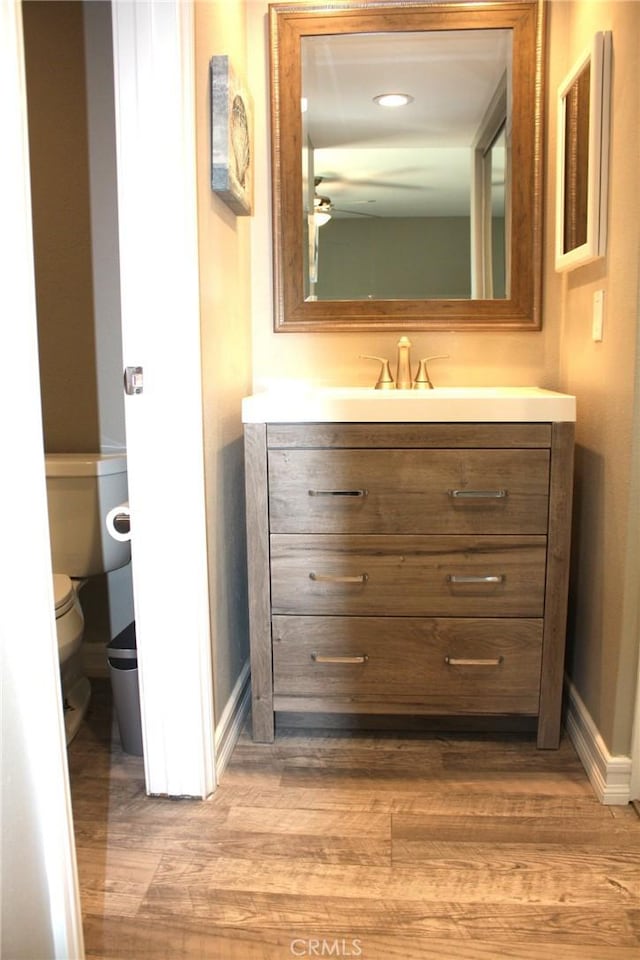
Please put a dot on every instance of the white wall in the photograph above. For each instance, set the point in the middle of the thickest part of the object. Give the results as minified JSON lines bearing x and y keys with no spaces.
{"x":40,"y":905}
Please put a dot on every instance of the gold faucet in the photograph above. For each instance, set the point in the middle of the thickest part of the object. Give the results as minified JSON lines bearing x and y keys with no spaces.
{"x":423,"y":380}
{"x":385,"y":380}
{"x":404,"y":379}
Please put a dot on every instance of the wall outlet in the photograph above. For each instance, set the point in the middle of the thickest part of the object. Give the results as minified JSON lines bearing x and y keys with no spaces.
{"x":598,"y":315}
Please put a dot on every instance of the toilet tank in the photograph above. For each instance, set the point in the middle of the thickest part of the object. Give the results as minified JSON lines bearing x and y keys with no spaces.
{"x":81,"y":489}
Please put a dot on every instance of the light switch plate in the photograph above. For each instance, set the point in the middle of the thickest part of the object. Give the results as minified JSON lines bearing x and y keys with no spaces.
{"x":598,"y":315}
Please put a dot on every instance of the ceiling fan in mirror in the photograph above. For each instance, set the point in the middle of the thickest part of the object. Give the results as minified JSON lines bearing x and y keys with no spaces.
{"x":397,"y":184}
{"x":350,"y":194}
{"x":324,"y":208}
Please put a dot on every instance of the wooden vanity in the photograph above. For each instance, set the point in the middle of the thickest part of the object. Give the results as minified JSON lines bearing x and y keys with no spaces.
{"x":409,"y":568}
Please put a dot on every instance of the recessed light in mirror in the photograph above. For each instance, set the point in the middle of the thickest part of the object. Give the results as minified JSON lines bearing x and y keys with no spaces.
{"x":393,"y":99}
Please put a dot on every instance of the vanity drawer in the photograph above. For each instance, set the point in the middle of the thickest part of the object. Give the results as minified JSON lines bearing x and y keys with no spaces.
{"x":409,"y":491}
{"x":408,"y":576}
{"x":452,"y":666}
{"x":378,"y":436}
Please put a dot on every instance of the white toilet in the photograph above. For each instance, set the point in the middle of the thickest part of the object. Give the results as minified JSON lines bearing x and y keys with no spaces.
{"x":81,"y":489}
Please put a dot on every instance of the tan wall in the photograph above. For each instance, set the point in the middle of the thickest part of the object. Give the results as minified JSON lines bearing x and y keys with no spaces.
{"x":604,"y":636}
{"x":69,"y":67}
{"x":58,"y":136}
{"x":605,"y":574}
{"x":224,"y":242}
{"x":483,"y":358}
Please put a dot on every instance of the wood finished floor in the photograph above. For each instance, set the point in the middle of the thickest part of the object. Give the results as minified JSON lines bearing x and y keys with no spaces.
{"x":374,"y":846}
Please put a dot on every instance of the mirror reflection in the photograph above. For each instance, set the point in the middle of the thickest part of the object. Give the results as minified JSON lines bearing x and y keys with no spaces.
{"x":421,"y":216}
{"x":409,"y":201}
{"x":576,"y":173}
{"x":500,"y":227}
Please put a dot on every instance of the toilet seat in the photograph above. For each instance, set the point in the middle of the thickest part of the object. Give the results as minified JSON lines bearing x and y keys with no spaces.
{"x":69,"y":630}
{"x":69,"y":617}
{"x":63,"y":594}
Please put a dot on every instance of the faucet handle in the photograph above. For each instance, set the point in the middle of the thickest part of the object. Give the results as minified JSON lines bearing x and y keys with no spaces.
{"x":422,"y":380}
{"x":385,"y":380}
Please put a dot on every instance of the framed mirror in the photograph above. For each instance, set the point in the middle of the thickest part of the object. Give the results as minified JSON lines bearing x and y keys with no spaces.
{"x":425,"y":215}
{"x":583,"y":157}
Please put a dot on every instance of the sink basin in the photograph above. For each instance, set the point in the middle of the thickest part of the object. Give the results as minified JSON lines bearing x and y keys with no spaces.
{"x":309,"y":404}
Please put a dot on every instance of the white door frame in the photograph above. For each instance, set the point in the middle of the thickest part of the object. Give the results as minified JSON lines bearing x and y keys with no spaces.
{"x":154,"y":65}
{"x":41,"y":906}
{"x":154,"y":72}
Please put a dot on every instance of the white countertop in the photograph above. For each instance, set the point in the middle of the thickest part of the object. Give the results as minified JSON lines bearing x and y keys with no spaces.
{"x":309,"y":404}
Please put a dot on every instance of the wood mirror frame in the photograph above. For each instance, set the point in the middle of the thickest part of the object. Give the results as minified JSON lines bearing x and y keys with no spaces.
{"x":288,"y":24}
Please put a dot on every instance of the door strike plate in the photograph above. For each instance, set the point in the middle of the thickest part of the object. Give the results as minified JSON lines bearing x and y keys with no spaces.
{"x":133,"y":380}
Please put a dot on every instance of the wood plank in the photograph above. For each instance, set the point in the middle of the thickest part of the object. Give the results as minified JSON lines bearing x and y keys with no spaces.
{"x":618,"y":863}
{"x":402,"y":753}
{"x":187,"y":887}
{"x":557,"y":584}
{"x":472,"y":847}
{"x":247,"y":845}
{"x":151,"y":835}
{"x":360,"y":746}
{"x":574,"y":809}
{"x":407,"y":576}
{"x":405,"y":660}
{"x":326,"y":823}
{"x":116,"y":883}
{"x":258,"y":579}
{"x":128,"y":801}
{"x":329,"y":916}
{"x":492,"y":937}
{"x":410,"y":435}
{"x":408,"y":491}
{"x":501,"y":832}
{"x":455,"y":782}
{"x":154,"y":939}
{"x":438,"y":705}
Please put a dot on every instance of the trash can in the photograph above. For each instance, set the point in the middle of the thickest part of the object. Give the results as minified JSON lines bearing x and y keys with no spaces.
{"x":123,"y":670}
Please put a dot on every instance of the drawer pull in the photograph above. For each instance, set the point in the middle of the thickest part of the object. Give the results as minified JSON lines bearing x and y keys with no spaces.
{"x":492,"y":578}
{"x":318,"y":658}
{"x":472,"y":662}
{"x":328,"y":578}
{"x":338,"y":493}
{"x":478,"y":494}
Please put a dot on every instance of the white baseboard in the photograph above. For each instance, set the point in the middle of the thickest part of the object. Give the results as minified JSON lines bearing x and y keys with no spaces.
{"x":232,"y":719}
{"x":610,"y":776}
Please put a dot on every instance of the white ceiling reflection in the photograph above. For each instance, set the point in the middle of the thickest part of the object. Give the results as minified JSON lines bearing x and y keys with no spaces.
{"x":407,"y":161}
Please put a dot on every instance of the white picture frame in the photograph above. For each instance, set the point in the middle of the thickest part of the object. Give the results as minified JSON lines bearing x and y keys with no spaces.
{"x":583,"y":157}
